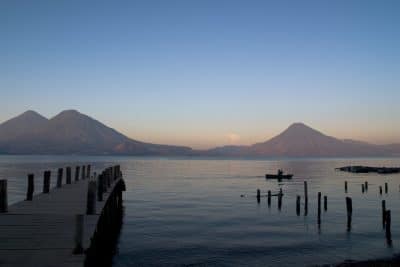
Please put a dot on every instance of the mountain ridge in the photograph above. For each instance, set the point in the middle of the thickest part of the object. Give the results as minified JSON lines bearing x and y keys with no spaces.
{"x":71,"y":132}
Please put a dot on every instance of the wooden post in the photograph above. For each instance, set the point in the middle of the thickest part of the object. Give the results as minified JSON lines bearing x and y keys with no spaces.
{"x":366,"y":186}
{"x":46,"y":182}
{"x":68,"y":175}
{"x":77,"y":173}
{"x":258,"y":195}
{"x":269,"y":198}
{"x":59,"y":177}
{"x":298,"y":205}
{"x":383,"y":213}
{"x":380,"y":190}
{"x":31,"y":187}
{"x":319,"y":207}
{"x":305,"y":195}
{"x":345,"y":186}
{"x":280,"y":200}
{"x":362,"y":188}
{"x":3,"y":196}
{"x":100,"y":188}
{"x":91,"y":198}
{"x":78,"y":234}
{"x":386,"y":188}
{"x":388,"y":227}
{"x":83,"y":175}
{"x":325,"y":203}
{"x":109,"y":177}
{"x":88,"y":171}
{"x":349,"y":208}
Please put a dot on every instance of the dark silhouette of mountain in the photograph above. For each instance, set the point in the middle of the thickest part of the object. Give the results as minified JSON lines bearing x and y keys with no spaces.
{"x":71,"y":132}
{"x":299,"y":140}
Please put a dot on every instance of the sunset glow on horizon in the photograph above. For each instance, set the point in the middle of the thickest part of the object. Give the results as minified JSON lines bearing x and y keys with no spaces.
{"x":208,"y":73}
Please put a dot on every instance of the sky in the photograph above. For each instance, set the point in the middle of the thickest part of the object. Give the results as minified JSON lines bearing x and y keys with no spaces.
{"x":206,"y":73}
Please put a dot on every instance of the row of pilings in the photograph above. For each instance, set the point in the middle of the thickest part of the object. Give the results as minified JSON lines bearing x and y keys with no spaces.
{"x":385,"y":213}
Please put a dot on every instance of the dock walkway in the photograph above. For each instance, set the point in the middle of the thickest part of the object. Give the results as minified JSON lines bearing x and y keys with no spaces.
{"x":47,"y":230}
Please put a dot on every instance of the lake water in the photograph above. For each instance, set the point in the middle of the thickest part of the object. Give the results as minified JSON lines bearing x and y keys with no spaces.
{"x":189,"y":211}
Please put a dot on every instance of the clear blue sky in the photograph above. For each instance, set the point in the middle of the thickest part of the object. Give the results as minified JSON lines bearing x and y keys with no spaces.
{"x":205,"y":73}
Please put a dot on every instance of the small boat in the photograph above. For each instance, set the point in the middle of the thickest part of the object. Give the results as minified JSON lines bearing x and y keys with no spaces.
{"x":279,"y":176}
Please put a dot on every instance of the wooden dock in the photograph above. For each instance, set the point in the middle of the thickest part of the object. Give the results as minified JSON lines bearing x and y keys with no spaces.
{"x":68,"y":226}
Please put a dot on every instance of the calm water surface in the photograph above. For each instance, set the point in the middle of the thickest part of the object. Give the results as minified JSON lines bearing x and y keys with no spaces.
{"x":181,"y":212}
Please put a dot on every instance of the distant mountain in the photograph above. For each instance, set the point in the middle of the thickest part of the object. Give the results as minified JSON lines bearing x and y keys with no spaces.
{"x":299,"y":140}
{"x":71,"y":132}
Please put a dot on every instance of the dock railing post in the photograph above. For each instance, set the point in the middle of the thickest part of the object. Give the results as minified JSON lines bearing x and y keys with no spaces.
{"x":59,"y":177}
{"x":31,"y":187}
{"x":3,"y":196}
{"x":83,"y":175}
{"x":100,"y":187}
{"x":88,"y":170}
{"x":91,"y":198}
{"x":78,"y":249}
{"x":77,"y":168}
{"x":46,"y":182}
{"x":68,"y":175}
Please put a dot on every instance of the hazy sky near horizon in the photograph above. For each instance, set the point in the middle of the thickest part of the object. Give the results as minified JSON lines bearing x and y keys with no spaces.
{"x":206,"y":73}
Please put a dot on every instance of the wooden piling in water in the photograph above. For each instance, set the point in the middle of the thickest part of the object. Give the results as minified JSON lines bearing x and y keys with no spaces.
{"x":78,"y":249}
{"x":305,"y":195}
{"x":91,"y":198}
{"x":59,"y":177}
{"x":31,"y":187}
{"x":77,"y":169}
{"x":362,"y":188}
{"x":269,"y":198}
{"x":258,"y":195}
{"x":46,"y":182}
{"x":319,"y":207}
{"x":388,"y":227}
{"x":68,"y":175}
{"x":3,"y":196}
{"x":298,"y":205}
{"x":280,"y":195}
{"x":386,"y":188}
{"x":366,"y":185}
{"x":383,"y":213}
{"x":345,"y":186}
{"x":380,"y":190}
{"x":349,"y":208}
{"x":325,"y":203}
